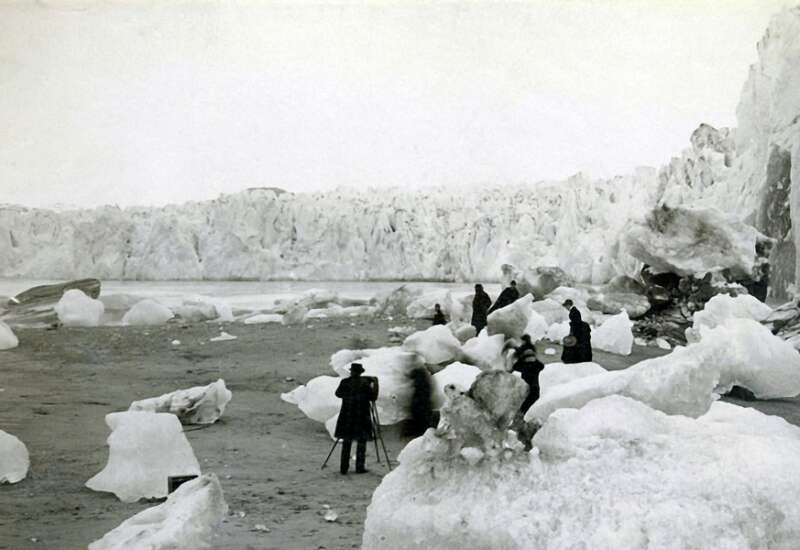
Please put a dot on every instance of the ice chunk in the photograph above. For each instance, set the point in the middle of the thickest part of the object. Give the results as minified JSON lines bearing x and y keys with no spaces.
{"x":8,"y":340}
{"x":462,"y":331}
{"x":722,"y":307}
{"x":197,"y":405}
{"x":484,"y":351}
{"x":14,"y":459}
{"x":551,"y":310}
{"x":76,"y":309}
{"x":317,"y":398}
{"x":264,"y":318}
{"x":458,"y":374}
{"x":558,"y":331}
{"x":536,"y":327}
{"x":615,"y":474}
{"x":186,"y":521}
{"x":614,"y":335}
{"x":147,"y":312}
{"x":436,"y":344}
{"x":195,"y":311}
{"x":144,"y":450}
{"x":615,"y":302}
{"x":511,"y":320}
{"x":559,"y":373}
{"x":423,"y":306}
{"x":662,"y":343}
{"x":223,"y":337}
{"x":330,"y":425}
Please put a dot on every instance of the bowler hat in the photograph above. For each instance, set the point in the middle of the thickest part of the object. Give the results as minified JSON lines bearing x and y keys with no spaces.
{"x":356,"y":368}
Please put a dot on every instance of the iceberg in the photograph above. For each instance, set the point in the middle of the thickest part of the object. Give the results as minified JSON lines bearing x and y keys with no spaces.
{"x":615,"y":335}
{"x":511,"y":320}
{"x":436,"y":344}
{"x":144,"y":450}
{"x":186,"y":521}
{"x":197,"y":405}
{"x":722,"y":307}
{"x":147,"y":312}
{"x":317,"y":398}
{"x":484,"y":351}
{"x":76,"y":309}
{"x":14,"y":459}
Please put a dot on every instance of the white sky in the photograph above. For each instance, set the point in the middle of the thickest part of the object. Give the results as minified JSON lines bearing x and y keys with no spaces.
{"x":156,"y":102}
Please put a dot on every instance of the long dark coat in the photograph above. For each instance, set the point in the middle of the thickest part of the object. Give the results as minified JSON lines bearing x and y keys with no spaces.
{"x":355,"y":418}
{"x":480,"y":310}
{"x":507,"y":297}
{"x":581,"y":352}
{"x":530,"y":374}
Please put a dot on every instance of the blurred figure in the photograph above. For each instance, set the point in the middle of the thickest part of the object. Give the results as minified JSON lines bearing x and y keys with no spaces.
{"x":509,"y":295}
{"x":421,"y":403}
{"x":527,"y":364}
{"x":438,"y":315}
{"x":578,"y":344}
{"x":355,"y":417}
{"x":480,"y":308}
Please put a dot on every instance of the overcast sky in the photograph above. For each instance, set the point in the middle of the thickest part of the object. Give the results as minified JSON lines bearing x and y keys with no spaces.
{"x":156,"y":102}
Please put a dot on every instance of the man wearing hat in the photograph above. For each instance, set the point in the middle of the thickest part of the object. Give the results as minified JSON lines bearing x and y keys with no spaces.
{"x":355,"y":417}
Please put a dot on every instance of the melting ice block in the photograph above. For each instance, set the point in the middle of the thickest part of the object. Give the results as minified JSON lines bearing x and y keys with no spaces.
{"x":436,"y":344}
{"x":197,"y":405}
{"x":512,"y":319}
{"x":458,"y":374}
{"x":186,"y":521}
{"x":147,"y":312}
{"x":722,"y":307}
{"x":614,"y":335}
{"x":615,"y":474}
{"x":484,"y":351}
{"x":76,"y":309}
{"x":8,"y":340}
{"x":317,"y":398}
{"x":14,"y":459}
{"x":144,"y":450}
{"x":560,"y":373}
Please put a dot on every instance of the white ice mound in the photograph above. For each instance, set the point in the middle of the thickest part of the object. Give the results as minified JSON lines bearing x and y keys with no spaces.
{"x":436,"y":344}
{"x":14,"y":459}
{"x":537,"y":326}
{"x":511,"y":320}
{"x":197,"y":405}
{"x":144,"y":450}
{"x":8,"y":340}
{"x":147,"y":312}
{"x":613,"y":475}
{"x":615,"y":335}
{"x":264,"y":318}
{"x":459,"y":375}
{"x":560,"y":373}
{"x":689,"y":241}
{"x":186,"y":521}
{"x":76,"y":309}
{"x":317,"y":398}
{"x":739,"y":352}
{"x":551,"y":310}
{"x":557,"y":331}
{"x":484,"y":351}
{"x":722,"y":307}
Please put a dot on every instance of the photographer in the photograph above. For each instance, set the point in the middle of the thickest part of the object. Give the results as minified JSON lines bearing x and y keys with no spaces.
{"x":355,"y":420}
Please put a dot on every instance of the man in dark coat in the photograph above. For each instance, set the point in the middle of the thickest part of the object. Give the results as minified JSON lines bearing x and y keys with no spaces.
{"x":421,"y":405}
{"x":509,"y":295}
{"x":438,"y":315}
{"x":529,"y":366}
{"x":355,"y":417}
{"x":580,"y":338}
{"x":480,"y":308}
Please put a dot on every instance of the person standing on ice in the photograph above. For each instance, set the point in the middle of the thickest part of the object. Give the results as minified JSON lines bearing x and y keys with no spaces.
{"x":509,"y":295}
{"x":355,"y":417}
{"x":438,"y":315}
{"x":480,"y":308}
{"x":578,"y":344}
{"x":529,"y":366}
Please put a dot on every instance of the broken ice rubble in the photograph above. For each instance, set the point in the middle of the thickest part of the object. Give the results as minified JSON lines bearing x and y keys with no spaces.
{"x":197,"y":405}
{"x":144,"y":450}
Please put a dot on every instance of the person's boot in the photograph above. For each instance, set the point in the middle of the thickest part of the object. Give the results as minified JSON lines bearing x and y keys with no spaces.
{"x":361,"y":457}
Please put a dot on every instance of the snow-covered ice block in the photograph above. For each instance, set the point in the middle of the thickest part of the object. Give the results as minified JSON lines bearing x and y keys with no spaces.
{"x":197,"y":405}
{"x":615,"y":474}
{"x":144,"y":450}
{"x":147,"y":312}
{"x":554,"y":374}
{"x":537,"y":326}
{"x":558,"y":331}
{"x":14,"y":459}
{"x":722,"y":307}
{"x":551,"y":310}
{"x":459,"y":375}
{"x":76,"y":309}
{"x":462,"y":331}
{"x":436,"y":344}
{"x":511,"y":320}
{"x":484,"y":351}
{"x":186,"y":521}
{"x":264,"y":318}
{"x":8,"y":340}
{"x":317,"y":398}
{"x":615,"y":335}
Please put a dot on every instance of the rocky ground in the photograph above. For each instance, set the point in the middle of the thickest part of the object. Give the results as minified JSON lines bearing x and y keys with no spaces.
{"x":56,"y":387}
